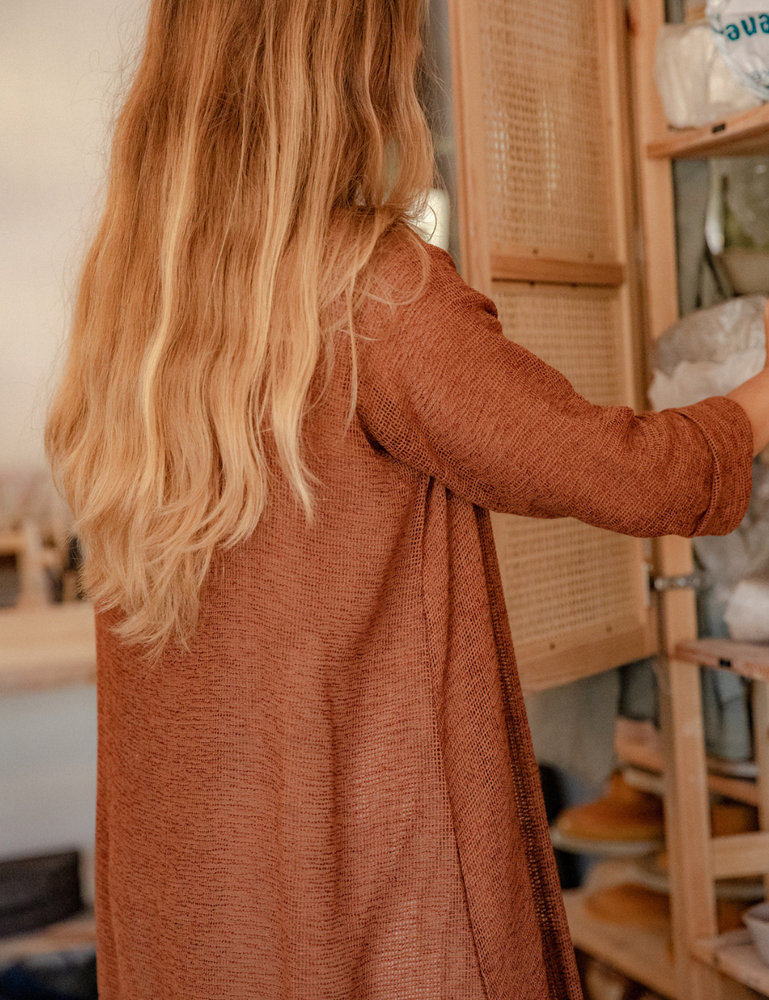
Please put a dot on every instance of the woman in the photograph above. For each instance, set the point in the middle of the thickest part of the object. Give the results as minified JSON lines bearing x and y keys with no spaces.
{"x":282,"y":422}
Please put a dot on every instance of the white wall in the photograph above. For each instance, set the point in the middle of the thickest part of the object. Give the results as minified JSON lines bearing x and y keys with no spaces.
{"x":57,"y":68}
{"x":48,"y":772}
{"x":57,"y":65}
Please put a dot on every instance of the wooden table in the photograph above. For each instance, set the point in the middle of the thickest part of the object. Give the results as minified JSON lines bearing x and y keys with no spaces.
{"x":47,"y":648}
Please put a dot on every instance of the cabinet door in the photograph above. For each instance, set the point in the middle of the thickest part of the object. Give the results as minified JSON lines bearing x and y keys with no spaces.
{"x":545,"y":181}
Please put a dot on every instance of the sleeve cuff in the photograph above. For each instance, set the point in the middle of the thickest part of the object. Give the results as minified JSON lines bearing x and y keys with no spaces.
{"x":728,"y":431}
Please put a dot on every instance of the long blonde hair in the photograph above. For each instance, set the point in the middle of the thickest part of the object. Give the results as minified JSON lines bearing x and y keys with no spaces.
{"x":265,"y":150}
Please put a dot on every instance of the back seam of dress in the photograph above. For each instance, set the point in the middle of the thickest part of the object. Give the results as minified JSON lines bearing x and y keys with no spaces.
{"x":432,"y":672}
{"x":563,"y":986}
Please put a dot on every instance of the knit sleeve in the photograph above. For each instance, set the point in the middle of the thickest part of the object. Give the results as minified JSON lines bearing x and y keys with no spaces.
{"x":442,"y":390}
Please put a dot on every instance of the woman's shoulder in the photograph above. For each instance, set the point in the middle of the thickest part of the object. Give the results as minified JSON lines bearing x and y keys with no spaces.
{"x":427,"y":320}
{"x":423,"y":279}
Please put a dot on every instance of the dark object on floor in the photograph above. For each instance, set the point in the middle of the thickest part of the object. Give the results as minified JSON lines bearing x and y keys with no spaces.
{"x":38,"y":891}
{"x":69,"y":976}
{"x":552,"y":790}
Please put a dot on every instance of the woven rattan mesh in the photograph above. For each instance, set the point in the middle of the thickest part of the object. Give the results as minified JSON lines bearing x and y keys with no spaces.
{"x":561,"y":576}
{"x":547,"y":142}
{"x":576,"y":330}
{"x":564,"y":576}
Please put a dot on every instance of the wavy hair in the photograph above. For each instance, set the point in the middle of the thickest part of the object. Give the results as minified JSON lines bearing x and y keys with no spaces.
{"x":265,"y":153}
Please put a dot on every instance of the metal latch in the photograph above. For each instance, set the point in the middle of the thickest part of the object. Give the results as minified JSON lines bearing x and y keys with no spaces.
{"x":694,"y":581}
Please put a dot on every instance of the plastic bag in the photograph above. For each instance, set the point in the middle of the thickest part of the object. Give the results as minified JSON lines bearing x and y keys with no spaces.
{"x":695,"y":83}
{"x":693,"y":381}
{"x":741,"y":30}
{"x":747,"y":613}
{"x":708,"y":353}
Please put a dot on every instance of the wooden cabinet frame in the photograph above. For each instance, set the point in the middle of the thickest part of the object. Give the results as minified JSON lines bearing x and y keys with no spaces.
{"x":587,"y":647}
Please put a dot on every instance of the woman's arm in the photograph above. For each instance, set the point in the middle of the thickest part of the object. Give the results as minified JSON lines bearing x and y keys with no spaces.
{"x":442,"y":391}
{"x":753,"y":397}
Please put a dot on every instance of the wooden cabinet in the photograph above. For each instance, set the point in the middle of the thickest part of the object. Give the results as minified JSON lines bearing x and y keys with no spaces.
{"x":544,"y":166}
{"x":695,"y":858}
{"x":563,"y":159}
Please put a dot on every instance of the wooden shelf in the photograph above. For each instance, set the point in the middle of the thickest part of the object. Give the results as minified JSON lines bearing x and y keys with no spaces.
{"x":75,"y":934}
{"x":743,"y":658}
{"x":746,"y":134}
{"x":646,"y":760}
{"x":735,"y":955}
{"x":643,"y":955}
{"x":47,"y":647}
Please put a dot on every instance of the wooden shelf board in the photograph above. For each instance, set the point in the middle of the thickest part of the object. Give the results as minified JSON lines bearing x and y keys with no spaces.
{"x":735,"y":955}
{"x":743,"y":658}
{"x":47,"y":647}
{"x":746,"y":134}
{"x":75,"y":934}
{"x":517,"y":264}
{"x":648,"y":760}
{"x":641,"y":954}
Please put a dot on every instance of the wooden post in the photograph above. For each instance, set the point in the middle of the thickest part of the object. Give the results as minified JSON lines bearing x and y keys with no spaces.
{"x":687,"y":827}
{"x":687,"y":811}
{"x":761,"y":743}
{"x":472,"y":187}
{"x":35,"y":589}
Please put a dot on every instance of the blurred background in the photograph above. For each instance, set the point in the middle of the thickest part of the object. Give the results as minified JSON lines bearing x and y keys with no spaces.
{"x":63,"y":67}
{"x":59,"y":75}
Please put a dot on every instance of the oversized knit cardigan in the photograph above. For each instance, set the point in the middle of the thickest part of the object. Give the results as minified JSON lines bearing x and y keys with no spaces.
{"x":333,"y":796}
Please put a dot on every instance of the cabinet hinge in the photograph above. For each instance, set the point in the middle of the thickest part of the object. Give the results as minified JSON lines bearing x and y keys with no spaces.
{"x":694,"y":581}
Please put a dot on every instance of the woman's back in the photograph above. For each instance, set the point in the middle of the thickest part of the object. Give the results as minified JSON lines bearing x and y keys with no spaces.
{"x":333,"y":793}
{"x":275,"y":815}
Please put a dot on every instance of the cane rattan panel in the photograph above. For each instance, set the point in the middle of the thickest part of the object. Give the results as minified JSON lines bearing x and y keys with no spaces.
{"x":576,"y":330}
{"x":548,"y":143}
{"x":564,"y":576}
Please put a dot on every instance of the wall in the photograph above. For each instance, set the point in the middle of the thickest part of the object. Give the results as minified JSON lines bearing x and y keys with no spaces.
{"x":57,"y":73}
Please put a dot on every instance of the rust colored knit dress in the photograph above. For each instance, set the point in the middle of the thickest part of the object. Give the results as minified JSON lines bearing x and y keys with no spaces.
{"x":334,"y":796}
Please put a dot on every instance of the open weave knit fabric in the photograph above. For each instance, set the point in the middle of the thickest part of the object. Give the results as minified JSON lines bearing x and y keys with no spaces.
{"x":334,"y":795}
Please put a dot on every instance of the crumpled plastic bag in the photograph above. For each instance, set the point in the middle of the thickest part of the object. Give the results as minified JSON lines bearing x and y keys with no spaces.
{"x":747,"y":611}
{"x":741,"y":30}
{"x":708,"y":353}
{"x":695,"y":84}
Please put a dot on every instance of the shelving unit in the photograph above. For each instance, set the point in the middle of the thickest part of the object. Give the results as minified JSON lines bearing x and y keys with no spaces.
{"x":547,"y":167}
{"x":735,"y":955}
{"x":721,"y":857}
{"x":644,"y":955}
{"x":648,"y":766}
{"x":706,"y":965}
{"x":746,"y":134}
